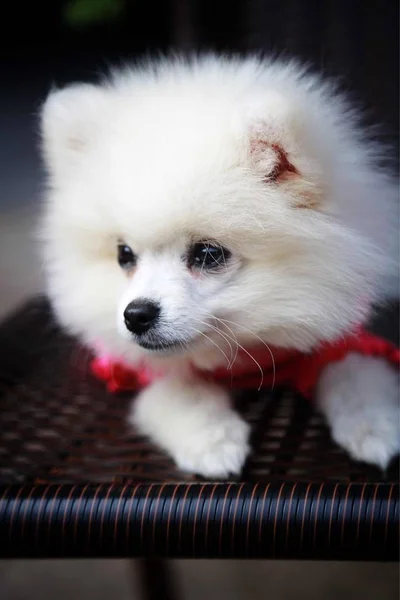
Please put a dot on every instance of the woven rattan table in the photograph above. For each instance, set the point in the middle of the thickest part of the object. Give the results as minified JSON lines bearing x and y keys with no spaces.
{"x":77,"y":481}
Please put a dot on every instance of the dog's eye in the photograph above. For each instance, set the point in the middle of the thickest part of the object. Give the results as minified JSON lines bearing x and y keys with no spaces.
{"x":204,"y":255}
{"x":126,"y":257}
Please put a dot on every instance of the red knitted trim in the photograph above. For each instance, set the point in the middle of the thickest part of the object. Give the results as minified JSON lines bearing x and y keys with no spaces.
{"x":299,"y":371}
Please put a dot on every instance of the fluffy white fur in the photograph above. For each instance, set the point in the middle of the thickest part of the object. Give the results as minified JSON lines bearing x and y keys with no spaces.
{"x":360,"y":399}
{"x":180,"y":151}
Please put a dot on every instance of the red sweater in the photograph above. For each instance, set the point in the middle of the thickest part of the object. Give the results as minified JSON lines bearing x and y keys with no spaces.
{"x":294,"y":369}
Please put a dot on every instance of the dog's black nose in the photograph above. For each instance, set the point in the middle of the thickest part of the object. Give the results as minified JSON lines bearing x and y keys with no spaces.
{"x":141,"y":315}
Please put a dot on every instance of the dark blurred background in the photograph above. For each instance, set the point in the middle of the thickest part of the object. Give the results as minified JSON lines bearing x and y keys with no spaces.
{"x":47,"y":42}
{"x":64,"y":39}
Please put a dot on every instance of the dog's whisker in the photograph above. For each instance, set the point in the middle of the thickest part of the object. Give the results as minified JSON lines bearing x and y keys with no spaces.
{"x":209,"y":314}
{"x":224,"y":336}
{"x":255,"y":361}
{"x":223,"y":322}
{"x":231,"y":332}
{"x":213,"y":342}
{"x":252,"y":358}
{"x":230,"y":362}
{"x":261,"y":340}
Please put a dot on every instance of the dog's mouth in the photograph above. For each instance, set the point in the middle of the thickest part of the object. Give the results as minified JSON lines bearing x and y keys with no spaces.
{"x":161,"y":346}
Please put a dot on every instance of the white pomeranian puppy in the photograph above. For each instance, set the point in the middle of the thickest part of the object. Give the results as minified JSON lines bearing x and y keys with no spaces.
{"x":197,"y":206}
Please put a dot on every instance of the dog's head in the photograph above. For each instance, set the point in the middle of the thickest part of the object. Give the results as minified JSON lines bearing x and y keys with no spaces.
{"x":204,"y":204}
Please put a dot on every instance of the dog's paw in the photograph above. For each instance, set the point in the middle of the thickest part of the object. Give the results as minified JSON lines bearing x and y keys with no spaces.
{"x":218,"y":450}
{"x":194,"y":422}
{"x":360,"y":399}
{"x":369,"y":439}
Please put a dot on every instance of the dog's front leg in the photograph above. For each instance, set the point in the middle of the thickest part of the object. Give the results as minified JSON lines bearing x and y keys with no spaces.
{"x":195,"y":423}
{"x":359,"y":397}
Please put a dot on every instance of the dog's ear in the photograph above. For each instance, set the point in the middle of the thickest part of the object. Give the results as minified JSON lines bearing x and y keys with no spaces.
{"x":69,"y":121}
{"x":279,"y":150}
